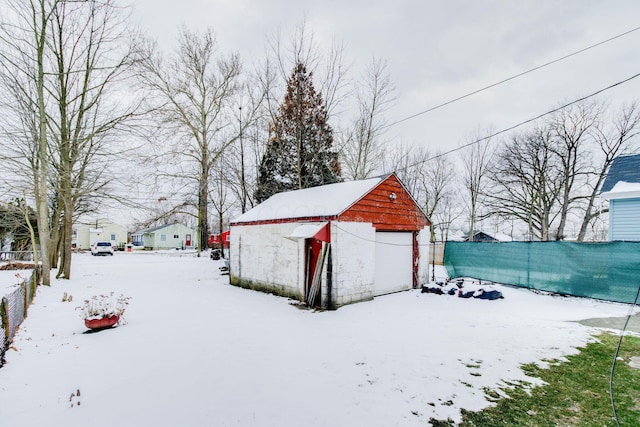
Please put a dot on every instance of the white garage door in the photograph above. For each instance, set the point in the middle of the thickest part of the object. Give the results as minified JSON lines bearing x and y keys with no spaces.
{"x":394,"y":262}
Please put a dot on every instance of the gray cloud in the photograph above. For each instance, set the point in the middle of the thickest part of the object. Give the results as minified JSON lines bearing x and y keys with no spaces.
{"x":439,"y":50}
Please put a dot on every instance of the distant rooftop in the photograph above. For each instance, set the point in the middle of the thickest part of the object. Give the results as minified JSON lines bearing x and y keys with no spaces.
{"x":623,"y":169}
{"x":157,"y":227}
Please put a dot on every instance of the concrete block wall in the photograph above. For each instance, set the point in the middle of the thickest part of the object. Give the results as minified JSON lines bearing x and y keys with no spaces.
{"x":353,"y":246}
{"x":261,"y":257}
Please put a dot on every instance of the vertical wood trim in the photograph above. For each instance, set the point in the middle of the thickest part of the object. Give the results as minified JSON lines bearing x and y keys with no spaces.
{"x":416,"y":259}
{"x":330,"y":305}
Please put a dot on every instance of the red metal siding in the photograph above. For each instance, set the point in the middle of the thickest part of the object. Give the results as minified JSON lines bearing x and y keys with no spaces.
{"x":377,"y":207}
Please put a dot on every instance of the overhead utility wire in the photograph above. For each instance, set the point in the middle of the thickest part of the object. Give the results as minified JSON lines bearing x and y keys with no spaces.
{"x":510,"y":78}
{"x":477,"y":141}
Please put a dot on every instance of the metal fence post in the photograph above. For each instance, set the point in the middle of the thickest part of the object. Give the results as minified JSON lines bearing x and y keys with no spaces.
{"x":4,"y":321}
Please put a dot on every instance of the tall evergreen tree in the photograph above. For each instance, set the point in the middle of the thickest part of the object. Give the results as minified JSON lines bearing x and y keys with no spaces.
{"x":299,"y":152}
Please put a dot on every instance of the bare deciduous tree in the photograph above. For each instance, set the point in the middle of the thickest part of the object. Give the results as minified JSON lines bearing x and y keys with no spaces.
{"x":612,"y":139}
{"x":220,"y":199}
{"x":406,"y":161}
{"x":16,"y":221}
{"x":23,"y":60}
{"x":430,"y":178}
{"x":525,"y":182}
{"x":362,"y":149}
{"x":243,"y":157}
{"x":63,"y":63}
{"x":93,"y":55}
{"x":196,"y":89}
{"x":476,"y":160}
{"x":570,"y":128}
{"x":543,"y":176}
{"x":442,"y":219}
{"x":327,"y":66}
{"x":437,"y":178}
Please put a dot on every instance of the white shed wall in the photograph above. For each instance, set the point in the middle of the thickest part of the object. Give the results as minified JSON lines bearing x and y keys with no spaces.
{"x":262,"y":257}
{"x":353,"y":247}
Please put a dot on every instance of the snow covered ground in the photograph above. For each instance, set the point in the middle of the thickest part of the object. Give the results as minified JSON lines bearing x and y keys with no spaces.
{"x":10,"y":279}
{"x":199,"y":352}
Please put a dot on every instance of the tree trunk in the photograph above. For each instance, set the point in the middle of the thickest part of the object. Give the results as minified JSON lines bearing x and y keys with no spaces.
{"x":55,"y":235}
{"x":64,"y":246}
{"x":220,"y":219}
{"x":42,"y":205}
{"x":203,"y":212}
{"x":588,"y":216}
{"x":563,"y":215}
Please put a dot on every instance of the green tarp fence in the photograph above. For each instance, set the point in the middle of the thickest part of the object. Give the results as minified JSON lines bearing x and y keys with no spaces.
{"x":607,"y":271}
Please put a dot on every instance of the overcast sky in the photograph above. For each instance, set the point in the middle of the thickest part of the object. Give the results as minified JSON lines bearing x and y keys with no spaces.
{"x":439,"y":50}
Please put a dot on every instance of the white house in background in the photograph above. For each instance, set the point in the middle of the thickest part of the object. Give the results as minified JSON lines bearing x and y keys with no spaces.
{"x":87,"y":233}
{"x":622,"y":188}
{"x":332,"y":245}
{"x":170,"y":236}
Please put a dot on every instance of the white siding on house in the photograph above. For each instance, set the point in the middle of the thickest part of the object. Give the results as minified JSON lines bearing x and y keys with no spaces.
{"x":171,"y":236}
{"x":88,"y":234}
{"x":624,"y":219}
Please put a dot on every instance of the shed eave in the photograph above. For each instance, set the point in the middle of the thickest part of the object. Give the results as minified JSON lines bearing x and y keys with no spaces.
{"x":325,"y":218}
{"x":310,"y":230}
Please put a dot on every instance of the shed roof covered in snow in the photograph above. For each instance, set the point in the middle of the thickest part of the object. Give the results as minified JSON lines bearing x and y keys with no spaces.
{"x":323,"y":201}
{"x":383,"y":201}
{"x":623,"y":178}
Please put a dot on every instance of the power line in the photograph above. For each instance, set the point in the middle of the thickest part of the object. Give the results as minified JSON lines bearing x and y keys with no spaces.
{"x":406,"y":245}
{"x":477,"y":141}
{"x":546,"y":64}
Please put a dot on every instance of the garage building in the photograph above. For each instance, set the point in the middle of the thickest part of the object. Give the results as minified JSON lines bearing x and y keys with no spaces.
{"x":333,"y":245}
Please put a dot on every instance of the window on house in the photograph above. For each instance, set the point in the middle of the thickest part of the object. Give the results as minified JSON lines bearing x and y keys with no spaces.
{"x":176,"y":236}
{"x":163,"y":237}
{"x":113,"y":237}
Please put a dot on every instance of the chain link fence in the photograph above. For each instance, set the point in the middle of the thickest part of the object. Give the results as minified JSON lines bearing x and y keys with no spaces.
{"x":16,"y":255}
{"x":13,"y":309}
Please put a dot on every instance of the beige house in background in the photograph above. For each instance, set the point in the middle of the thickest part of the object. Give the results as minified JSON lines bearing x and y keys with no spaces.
{"x":87,"y":233}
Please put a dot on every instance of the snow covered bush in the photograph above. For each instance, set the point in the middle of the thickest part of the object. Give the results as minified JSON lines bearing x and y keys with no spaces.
{"x":100,"y":306}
